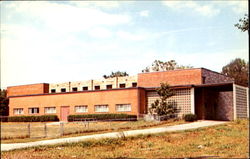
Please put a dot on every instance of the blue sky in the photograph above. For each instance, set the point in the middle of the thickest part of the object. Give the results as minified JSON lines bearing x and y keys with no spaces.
{"x":51,"y":42}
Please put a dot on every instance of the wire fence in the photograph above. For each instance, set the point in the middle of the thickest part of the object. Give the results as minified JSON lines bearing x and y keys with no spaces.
{"x":57,"y":129}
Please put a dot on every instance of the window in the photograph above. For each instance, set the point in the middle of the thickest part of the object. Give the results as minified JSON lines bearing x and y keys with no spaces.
{"x":81,"y":108}
{"x":134,"y":84}
{"x":123,"y":107}
{"x":33,"y":110}
{"x":84,"y":88}
{"x":109,"y":86}
{"x":97,"y":87}
{"x":50,"y":110}
{"x":74,"y":89}
{"x":63,"y":89}
{"x":123,"y":85}
{"x":53,"y":90}
{"x":101,"y":108}
{"x":18,"y":111}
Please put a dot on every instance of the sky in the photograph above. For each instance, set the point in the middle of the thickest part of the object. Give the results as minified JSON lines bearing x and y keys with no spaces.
{"x":61,"y":41}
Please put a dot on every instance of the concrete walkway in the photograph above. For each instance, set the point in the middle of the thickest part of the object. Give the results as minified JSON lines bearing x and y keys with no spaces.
{"x":188,"y":126}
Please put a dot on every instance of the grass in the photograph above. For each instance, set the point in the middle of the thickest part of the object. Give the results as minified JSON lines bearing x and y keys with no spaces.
{"x":224,"y":141}
{"x":18,"y":132}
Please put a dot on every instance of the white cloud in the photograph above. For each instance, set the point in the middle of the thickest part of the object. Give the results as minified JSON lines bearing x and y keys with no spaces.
{"x":205,"y":10}
{"x":132,"y":36}
{"x":144,"y":13}
{"x":102,"y":4}
{"x":99,"y":32}
{"x":66,"y":18}
{"x":239,"y":7}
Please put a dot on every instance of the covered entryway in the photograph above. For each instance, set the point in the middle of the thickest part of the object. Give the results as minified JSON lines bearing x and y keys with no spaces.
{"x":64,"y":113}
{"x":214,"y":101}
{"x":224,"y":101}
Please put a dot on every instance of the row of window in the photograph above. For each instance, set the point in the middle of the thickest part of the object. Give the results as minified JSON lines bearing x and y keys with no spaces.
{"x":78,"y":109}
{"x":75,"y":89}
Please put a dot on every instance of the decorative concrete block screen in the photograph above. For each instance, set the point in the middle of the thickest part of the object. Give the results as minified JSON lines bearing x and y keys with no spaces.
{"x":241,"y":101}
{"x":182,"y":97}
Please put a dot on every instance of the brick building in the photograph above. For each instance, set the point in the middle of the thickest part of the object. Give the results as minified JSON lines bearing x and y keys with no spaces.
{"x":208,"y":94}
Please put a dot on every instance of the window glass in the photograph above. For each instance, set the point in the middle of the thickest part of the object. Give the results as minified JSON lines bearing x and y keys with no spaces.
{"x":33,"y":110}
{"x":84,"y":88}
{"x":97,"y":87}
{"x":101,"y":108}
{"x":50,"y":110}
{"x":18,"y":111}
{"x":122,"y":85}
{"x":109,"y":86}
{"x":81,"y":108}
{"x":123,"y":107}
{"x":134,"y":84}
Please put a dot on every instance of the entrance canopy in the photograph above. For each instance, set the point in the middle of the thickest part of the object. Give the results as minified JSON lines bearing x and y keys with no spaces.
{"x":221,"y":87}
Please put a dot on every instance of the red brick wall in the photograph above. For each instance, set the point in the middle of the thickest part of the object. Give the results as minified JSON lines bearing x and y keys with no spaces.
{"x":110,"y":97}
{"x":175,"y":77}
{"x":225,"y":106}
{"x":213,"y":105}
{"x":214,"y":77}
{"x":28,"y":89}
{"x":142,"y":101}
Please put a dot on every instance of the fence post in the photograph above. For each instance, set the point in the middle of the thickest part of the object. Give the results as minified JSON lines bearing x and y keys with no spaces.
{"x":61,"y":129}
{"x":29,"y":130}
{"x":45,"y":129}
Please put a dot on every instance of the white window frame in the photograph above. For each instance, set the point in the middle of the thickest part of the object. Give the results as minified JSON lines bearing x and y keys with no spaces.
{"x":18,"y":111}
{"x":123,"y":107}
{"x":35,"y":112}
{"x":81,"y":108}
{"x":50,"y":110}
{"x":101,"y":108}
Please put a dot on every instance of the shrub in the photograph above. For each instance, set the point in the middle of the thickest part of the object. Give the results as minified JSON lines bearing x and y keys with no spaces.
{"x":4,"y":118}
{"x":41,"y":118}
{"x":190,"y":117}
{"x":102,"y":117}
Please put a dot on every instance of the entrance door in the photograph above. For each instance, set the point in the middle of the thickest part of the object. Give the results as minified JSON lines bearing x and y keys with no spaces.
{"x":64,"y":113}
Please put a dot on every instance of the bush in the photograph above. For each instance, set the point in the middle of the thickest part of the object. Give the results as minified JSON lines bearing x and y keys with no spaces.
{"x":41,"y":118}
{"x":190,"y":117}
{"x":88,"y":117}
{"x":4,"y":118}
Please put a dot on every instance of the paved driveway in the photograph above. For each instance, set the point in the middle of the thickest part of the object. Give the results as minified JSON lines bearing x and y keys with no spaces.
{"x":188,"y":126}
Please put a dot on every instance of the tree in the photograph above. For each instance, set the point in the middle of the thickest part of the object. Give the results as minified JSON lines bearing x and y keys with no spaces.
{"x":116,"y":74}
{"x":4,"y":103}
{"x":243,"y":24}
{"x":164,"y":106}
{"x":158,"y":65}
{"x":238,"y":70}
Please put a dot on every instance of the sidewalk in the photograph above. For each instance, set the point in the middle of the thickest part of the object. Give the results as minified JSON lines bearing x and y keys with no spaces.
{"x":188,"y":126}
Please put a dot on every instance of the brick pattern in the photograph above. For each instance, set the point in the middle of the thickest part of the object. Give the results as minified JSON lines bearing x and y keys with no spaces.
{"x":173,"y":77}
{"x":182,"y":98}
{"x":225,"y":106}
{"x":89,"y":99}
{"x":28,"y":89}
{"x":241,"y":102}
{"x":214,"y":77}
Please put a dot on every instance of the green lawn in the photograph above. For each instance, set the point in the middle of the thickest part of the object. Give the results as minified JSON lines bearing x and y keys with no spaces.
{"x":18,"y":132}
{"x":224,"y":141}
